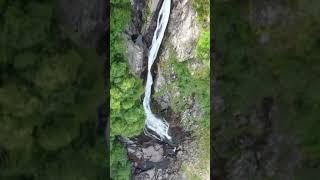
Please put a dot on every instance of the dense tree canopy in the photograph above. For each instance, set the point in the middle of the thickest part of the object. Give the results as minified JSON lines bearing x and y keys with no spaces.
{"x":127,"y":116}
{"x":49,"y":93}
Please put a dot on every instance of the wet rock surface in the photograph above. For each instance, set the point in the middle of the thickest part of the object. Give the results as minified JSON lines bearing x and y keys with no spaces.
{"x":139,"y":34}
{"x":182,"y":31}
{"x":150,"y":158}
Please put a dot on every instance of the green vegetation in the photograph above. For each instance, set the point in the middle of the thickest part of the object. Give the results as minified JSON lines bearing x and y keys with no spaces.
{"x":285,"y":68}
{"x":126,"y":108}
{"x":193,"y":82}
{"x":196,"y":83}
{"x":120,"y":167}
{"x":188,"y":173}
{"x":199,"y":82}
{"x":127,"y":116}
{"x":49,"y":93}
{"x":203,"y":12}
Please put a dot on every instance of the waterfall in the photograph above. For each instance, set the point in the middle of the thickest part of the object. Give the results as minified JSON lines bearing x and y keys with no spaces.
{"x":157,"y":125}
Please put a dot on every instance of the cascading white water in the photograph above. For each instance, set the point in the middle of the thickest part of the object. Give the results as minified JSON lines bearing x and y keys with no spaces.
{"x":157,"y":125}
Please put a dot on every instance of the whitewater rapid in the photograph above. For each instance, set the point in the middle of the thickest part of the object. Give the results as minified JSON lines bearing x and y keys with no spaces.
{"x":153,"y":123}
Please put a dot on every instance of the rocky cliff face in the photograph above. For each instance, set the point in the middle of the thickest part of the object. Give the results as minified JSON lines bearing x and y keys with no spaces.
{"x":150,"y":158}
{"x":183,"y":31}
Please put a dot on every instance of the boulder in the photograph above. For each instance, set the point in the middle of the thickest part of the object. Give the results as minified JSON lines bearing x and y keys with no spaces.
{"x":136,"y":53}
{"x":183,"y":29}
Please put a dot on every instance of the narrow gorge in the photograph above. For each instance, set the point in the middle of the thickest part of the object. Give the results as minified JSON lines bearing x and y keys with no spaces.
{"x":157,"y":125}
{"x":166,"y":45}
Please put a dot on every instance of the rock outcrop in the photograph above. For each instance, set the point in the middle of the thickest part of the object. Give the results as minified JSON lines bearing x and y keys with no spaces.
{"x":136,"y":47}
{"x":180,"y":41}
{"x":152,"y":159}
{"x":183,"y":29}
{"x":136,"y":51}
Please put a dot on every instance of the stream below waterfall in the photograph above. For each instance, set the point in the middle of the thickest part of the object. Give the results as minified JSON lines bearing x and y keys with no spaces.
{"x":157,"y":125}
